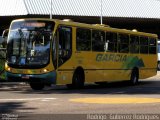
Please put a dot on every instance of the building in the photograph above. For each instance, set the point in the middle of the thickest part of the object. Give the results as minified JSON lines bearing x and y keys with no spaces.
{"x":142,"y":15}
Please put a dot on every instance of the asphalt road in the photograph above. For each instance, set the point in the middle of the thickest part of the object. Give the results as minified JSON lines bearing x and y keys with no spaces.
{"x":112,"y":98}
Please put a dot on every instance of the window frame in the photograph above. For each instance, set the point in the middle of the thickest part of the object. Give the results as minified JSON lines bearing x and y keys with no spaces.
{"x":122,"y":43}
{"x":134,"y":44}
{"x":88,"y":41}
{"x":142,"y":46}
{"x":111,"y":40}
{"x":98,"y":41}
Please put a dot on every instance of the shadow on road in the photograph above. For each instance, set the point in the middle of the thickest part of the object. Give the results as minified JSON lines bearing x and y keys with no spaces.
{"x":144,"y":87}
{"x":13,"y":107}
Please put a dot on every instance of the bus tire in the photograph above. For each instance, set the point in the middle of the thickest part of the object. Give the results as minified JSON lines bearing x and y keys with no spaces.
{"x":77,"y":80}
{"x":134,"y":77}
{"x":36,"y":86}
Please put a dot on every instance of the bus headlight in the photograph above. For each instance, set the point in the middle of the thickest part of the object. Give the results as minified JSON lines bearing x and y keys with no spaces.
{"x":45,"y":70}
{"x":7,"y":68}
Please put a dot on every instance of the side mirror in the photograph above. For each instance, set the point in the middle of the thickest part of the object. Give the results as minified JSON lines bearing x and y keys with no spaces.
{"x":3,"y":39}
{"x":5,"y":33}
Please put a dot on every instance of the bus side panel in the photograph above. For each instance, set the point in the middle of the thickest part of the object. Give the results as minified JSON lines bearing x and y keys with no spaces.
{"x":146,"y":73}
{"x":92,"y":76}
{"x":116,"y":75}
{"x":87,"y":61}
{"x":117,"y":66}
{"x":107,"y":75}
{"x":64,"y":77}
{"x":107,"y":67}
{"x":65,"y":72}
{"x":150,"y":66}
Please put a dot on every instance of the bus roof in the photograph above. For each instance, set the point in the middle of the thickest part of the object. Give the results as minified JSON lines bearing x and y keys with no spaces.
{"x":92,"y":26}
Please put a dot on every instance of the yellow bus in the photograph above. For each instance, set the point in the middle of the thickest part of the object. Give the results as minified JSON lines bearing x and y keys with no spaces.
{"x":44,"y":51}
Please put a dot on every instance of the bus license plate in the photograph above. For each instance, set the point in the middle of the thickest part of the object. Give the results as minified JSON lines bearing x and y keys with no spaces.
{"x":25,"y":77}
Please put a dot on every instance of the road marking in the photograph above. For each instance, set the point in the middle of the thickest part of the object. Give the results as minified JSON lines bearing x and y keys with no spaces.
{"x":116,"y":100}
{"x":28,"y":99}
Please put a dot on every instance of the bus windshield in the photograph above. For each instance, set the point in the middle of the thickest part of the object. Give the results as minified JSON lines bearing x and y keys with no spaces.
{"x":29,"y":44}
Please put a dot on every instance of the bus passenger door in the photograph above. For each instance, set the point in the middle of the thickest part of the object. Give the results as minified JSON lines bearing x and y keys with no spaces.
{"x":64,"y":36}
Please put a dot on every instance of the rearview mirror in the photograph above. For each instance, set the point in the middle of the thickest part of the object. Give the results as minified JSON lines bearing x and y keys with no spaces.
{"x":5,"y":33}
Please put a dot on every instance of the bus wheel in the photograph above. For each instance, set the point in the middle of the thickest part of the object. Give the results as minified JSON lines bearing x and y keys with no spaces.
{"x":134,"y":77}
{"x":77,"y":80}
{"x":37,"y":86}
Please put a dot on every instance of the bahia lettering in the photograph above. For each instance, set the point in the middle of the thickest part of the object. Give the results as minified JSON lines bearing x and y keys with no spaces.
{"x":111,"y":57}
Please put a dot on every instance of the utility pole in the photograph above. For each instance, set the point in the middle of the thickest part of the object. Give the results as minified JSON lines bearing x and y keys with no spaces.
{"x":101,"y":17}
{"x":51,"y":9}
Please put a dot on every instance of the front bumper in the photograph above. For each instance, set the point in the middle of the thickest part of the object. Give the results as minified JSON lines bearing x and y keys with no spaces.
{"x":46,"y":78}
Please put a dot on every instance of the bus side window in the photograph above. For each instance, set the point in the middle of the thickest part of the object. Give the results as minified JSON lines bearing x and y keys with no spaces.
{"x":123,"y":46}
{"x":83,"y":39}
{"x":134,"y":44}
{"x":111,"y":42}
{"x":152,"y":46}
{"x":144,"y":45}
{"x":98,"y":40}
{"x":65,"y":44}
